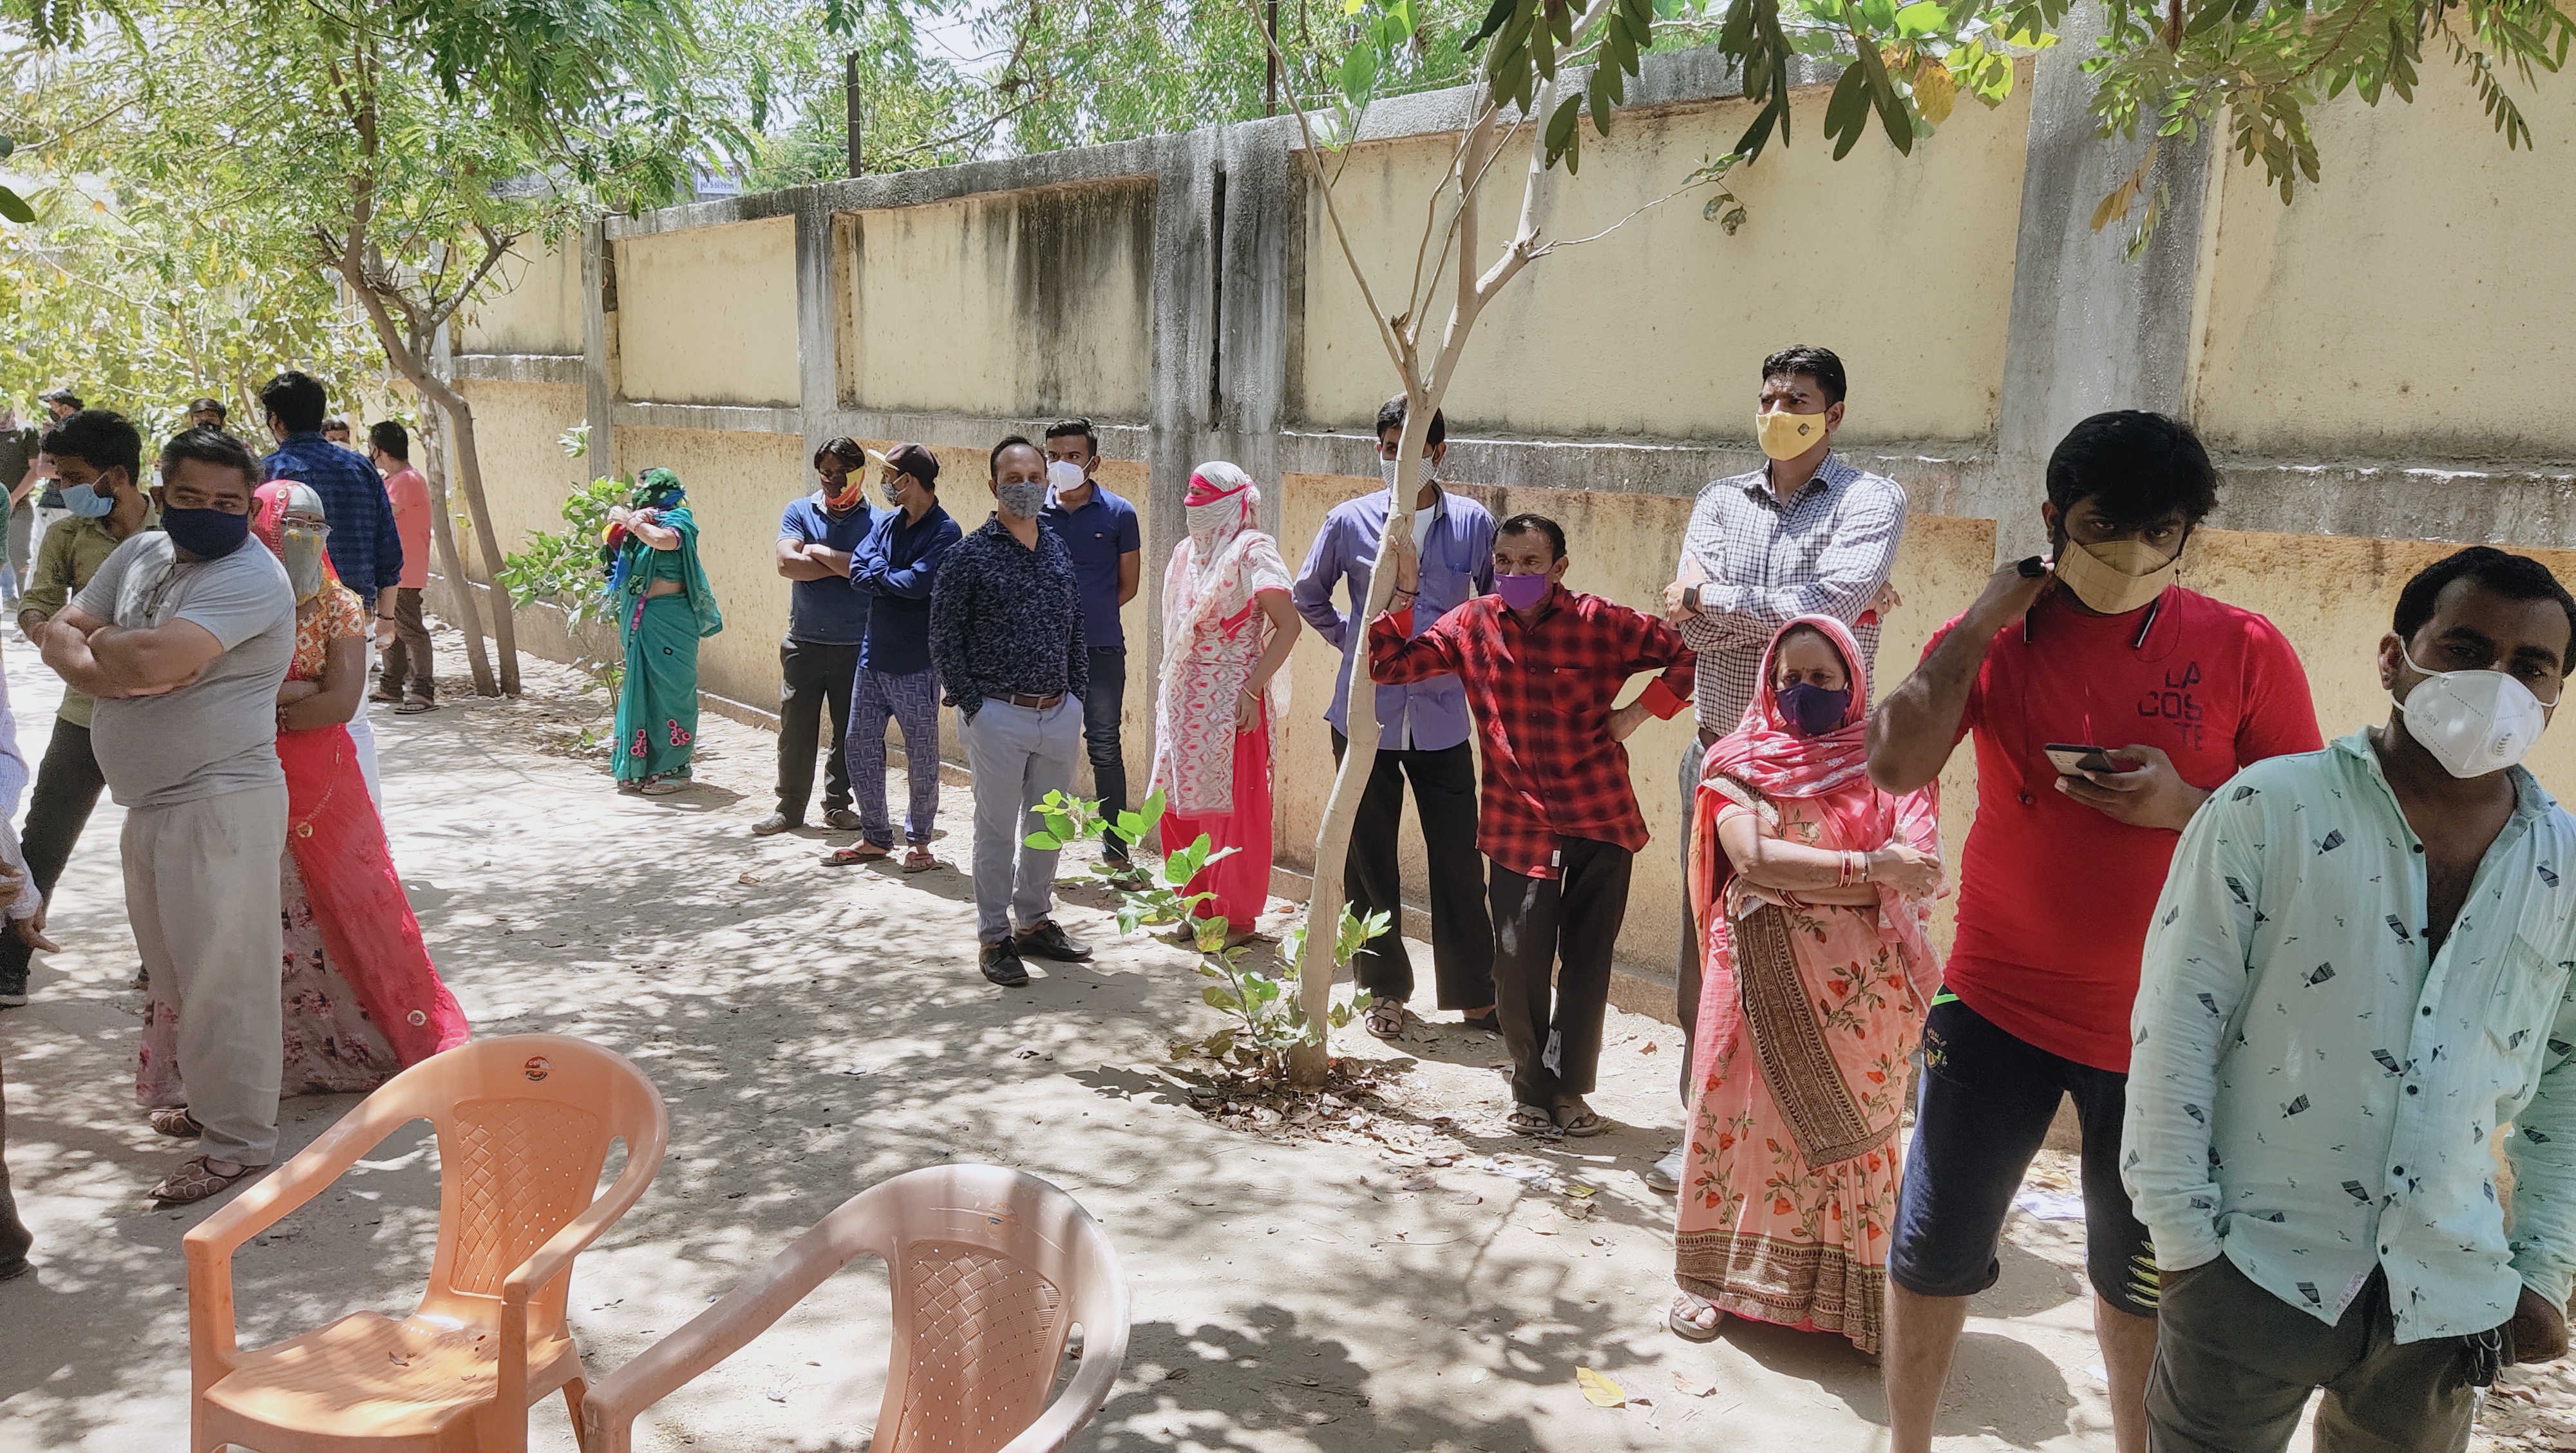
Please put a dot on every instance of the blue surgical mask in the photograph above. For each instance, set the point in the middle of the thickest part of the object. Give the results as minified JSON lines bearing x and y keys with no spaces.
{"x":86,"y":502}
{"x":1811,"y":709}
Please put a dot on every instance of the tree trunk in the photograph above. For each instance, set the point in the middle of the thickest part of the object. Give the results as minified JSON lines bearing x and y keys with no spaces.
{"x":469,"y":479}
{"x":1307,"y":1064}
{"x":443,"y":534}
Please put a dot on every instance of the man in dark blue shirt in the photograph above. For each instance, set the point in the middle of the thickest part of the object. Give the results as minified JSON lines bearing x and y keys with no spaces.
{"x":896,"y":567}
{"x":827,"y":616}
{"x":1006,"y":636}
{"x":365,"y":547}
{"x":1100,"y":532}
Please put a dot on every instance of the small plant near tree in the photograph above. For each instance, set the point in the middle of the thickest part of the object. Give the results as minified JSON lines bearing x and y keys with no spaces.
{"x":562,"y":568}
{"x":1268,"y":1020}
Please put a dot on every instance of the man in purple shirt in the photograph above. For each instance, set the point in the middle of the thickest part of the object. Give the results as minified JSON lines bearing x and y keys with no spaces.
{"x":1422,"y":734}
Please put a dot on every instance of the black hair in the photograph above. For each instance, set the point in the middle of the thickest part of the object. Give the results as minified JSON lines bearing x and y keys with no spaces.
{"x":2515,"y":577}
{"x":208,"y":446}
{"x":391,"y":439}
{"x":1067,"y":428}
{"x":295,"y":399}
{"x":330,"y":424}
{"x":993,"y":466}
{"x":211,"y":405}
{"x":845,"y":449}
{"x":102,"y":437}
{"x":1521,"y":524}
{"x":61,"y":396}
{"x":2136,"y":468}
{"x":1390,"y":415}
{"x":1820,"y":364}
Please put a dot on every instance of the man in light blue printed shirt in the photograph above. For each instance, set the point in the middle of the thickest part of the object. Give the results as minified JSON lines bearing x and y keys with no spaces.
{"x":2358,"y":971}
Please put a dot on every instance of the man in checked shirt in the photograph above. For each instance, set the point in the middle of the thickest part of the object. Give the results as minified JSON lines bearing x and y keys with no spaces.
{"x":1557,"y":821}
{"x":1806,"y":534}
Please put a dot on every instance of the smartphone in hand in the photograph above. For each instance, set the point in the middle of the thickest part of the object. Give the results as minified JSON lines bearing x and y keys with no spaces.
{"x":2074,"y":759}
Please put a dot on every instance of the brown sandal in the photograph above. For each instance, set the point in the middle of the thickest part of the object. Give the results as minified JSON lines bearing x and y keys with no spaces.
{"x":177,"y":1123}
{"x":856,"y":853}
{"x":195,"y":1180}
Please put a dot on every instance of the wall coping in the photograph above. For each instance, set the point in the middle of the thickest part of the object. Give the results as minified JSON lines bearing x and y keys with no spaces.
{"x":555,"y":368}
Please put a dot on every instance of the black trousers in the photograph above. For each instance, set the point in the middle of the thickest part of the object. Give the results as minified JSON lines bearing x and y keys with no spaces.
{"x":1687,"y":971}
{"x":1567,"y":923}
{"x":813,"y":676}
{"x":1101,"y":710}
{"x":68,"y":783}
{"x":1462,"y":936}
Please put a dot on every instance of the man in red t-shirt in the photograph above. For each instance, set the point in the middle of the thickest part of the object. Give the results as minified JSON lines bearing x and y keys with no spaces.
{"x":406,"y":675}
{"x":2062,"y":869}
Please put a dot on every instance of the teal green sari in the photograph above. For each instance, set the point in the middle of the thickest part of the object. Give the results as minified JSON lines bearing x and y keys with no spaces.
{"x":657,"y":707}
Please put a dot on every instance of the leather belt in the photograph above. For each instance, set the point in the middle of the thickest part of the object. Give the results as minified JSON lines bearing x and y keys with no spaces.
{"x":1039,"y":703}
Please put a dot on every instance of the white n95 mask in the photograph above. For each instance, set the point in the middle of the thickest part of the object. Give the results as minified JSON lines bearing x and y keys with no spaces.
{"x":2473,"y":722}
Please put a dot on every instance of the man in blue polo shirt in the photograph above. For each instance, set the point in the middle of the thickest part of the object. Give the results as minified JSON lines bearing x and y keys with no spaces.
{"x":1099,"y":530}
{"x":364,"y":544}
{"x":826,"y":618}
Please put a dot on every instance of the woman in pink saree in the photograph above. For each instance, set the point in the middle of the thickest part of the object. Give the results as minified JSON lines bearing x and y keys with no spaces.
{"x":360,"y":996}
{"x":1227,"y":630}
{"x":1813,"y":889}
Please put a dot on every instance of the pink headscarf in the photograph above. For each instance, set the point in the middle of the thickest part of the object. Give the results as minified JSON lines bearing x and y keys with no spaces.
{"x":1764,"y":758}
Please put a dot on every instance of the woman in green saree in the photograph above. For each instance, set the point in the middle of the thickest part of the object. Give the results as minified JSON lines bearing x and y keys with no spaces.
{"x":664,"y":607}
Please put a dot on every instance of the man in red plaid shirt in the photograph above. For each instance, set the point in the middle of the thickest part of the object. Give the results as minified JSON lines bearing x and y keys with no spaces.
{"x":1558,"y":822}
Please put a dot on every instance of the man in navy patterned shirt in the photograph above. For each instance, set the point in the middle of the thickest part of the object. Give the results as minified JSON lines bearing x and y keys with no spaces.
{"x":1006,"y":637}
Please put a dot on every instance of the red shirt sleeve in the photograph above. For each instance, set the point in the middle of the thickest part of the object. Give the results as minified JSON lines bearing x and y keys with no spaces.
{"x":2280,"y":717}
{"x":1661,"y":648}
{"x":1396,"y":661}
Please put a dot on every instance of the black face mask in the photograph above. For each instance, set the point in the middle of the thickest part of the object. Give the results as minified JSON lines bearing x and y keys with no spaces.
{"x":206,"y":534}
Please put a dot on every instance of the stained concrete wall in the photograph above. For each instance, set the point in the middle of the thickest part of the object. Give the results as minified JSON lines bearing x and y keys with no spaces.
{"x":1043,"y":302}
{"x":708,"y":316}
{"x":2374,"y":373}
{"x":535,"y":308}
{"x":526,"y":474}
{"x":1903,"y":264}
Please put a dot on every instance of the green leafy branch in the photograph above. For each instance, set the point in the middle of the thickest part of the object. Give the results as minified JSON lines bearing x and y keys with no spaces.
{"x":1266,"y":1018}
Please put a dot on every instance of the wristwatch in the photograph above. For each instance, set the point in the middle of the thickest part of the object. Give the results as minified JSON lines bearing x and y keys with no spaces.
{"x":1690,"y":599}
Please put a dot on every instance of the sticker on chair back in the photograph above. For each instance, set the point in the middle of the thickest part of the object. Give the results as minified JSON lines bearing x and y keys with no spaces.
{"x":537,"y":1067}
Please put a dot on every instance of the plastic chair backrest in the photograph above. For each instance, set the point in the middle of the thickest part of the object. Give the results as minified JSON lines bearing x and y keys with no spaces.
{"x":990,"y":1270}
{"x":524,"y":1123}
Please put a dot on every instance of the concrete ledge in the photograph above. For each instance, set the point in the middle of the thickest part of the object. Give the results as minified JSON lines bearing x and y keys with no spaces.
{"x":968,"y":431}
{"x":721,"y":418}
{"x":1627,"y":466}
{"x":2503,"y":504}
{"x":554,"y":368}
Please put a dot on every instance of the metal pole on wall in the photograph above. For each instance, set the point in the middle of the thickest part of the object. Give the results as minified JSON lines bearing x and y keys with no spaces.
{"x":1270,"y":62}
{"x":850,"y":91}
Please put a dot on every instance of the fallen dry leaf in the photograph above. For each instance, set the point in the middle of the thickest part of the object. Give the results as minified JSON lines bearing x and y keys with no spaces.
{"x":1649,"y":1048}
{"x":1689,"y":1386}
{"x":1599,"y":1391}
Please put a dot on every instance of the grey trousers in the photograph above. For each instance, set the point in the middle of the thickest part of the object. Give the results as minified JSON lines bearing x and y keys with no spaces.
{"x":1018,"y":754}
{"x":201,"y":890}
{"x":2235,"y":1365}
{"x":1686,"y":971}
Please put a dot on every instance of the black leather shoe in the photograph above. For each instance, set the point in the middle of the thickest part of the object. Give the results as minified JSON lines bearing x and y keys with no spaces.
{"x":1048,"y":941}
{"x":1002,"y":964}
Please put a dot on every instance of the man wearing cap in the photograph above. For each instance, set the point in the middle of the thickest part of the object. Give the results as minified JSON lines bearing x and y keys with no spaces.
{"x":827,"y":616}
{"x":896,"y":568}
{"x":208,"y":413}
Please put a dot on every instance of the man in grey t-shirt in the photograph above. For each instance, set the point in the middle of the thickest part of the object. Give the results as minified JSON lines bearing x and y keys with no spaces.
{"x":183,"y":637}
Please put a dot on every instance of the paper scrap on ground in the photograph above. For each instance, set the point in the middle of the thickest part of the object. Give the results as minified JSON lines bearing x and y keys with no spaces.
{"x":2052,"y":1205}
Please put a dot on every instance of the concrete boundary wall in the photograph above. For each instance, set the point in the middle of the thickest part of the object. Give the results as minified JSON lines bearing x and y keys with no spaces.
{"x":1183,"y":291}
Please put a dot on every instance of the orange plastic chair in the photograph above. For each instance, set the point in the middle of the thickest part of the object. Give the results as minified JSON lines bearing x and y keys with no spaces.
{"x":991,"y":1268}
{"x":524,"y":1123}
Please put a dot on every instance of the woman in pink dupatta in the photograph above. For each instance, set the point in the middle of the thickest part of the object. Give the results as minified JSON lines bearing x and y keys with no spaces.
{"x":1227,"y":629}
{"x":361,"y":999}
{"x":1813,"y":889}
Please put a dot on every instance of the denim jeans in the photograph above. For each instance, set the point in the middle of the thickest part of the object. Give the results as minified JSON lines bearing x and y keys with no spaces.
{"x":1100,"y":713}
{"x":1018,"y":754}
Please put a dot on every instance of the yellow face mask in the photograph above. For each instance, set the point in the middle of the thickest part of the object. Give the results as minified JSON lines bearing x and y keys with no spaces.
{"x":2117,"y":576}
{"x":1786,"y":436}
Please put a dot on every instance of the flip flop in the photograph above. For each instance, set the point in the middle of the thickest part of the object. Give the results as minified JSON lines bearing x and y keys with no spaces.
{"x":1686,"y":1329}
{"x":1585,"y":1122}
{"x":1530,"y":1120}
{"x":919,"y":860}
{"x":857,"y":853}
{"x":663,"y":788}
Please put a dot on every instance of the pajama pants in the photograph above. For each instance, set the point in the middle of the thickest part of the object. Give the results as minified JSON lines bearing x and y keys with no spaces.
{"x":913,"y":702}
{"x":201,"y":890}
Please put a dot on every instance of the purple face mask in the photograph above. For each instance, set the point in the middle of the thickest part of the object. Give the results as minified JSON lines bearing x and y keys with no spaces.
{"x":1523,"y":592}
{"x":1811,"y":709}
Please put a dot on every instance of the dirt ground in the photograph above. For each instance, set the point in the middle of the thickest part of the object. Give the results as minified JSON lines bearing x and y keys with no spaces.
{"x":1421,"y":1280}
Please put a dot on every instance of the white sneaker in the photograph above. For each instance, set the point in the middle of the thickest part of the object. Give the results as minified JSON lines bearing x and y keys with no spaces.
{"x":1666,"y":1175}
{"x":12,"y":1001}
